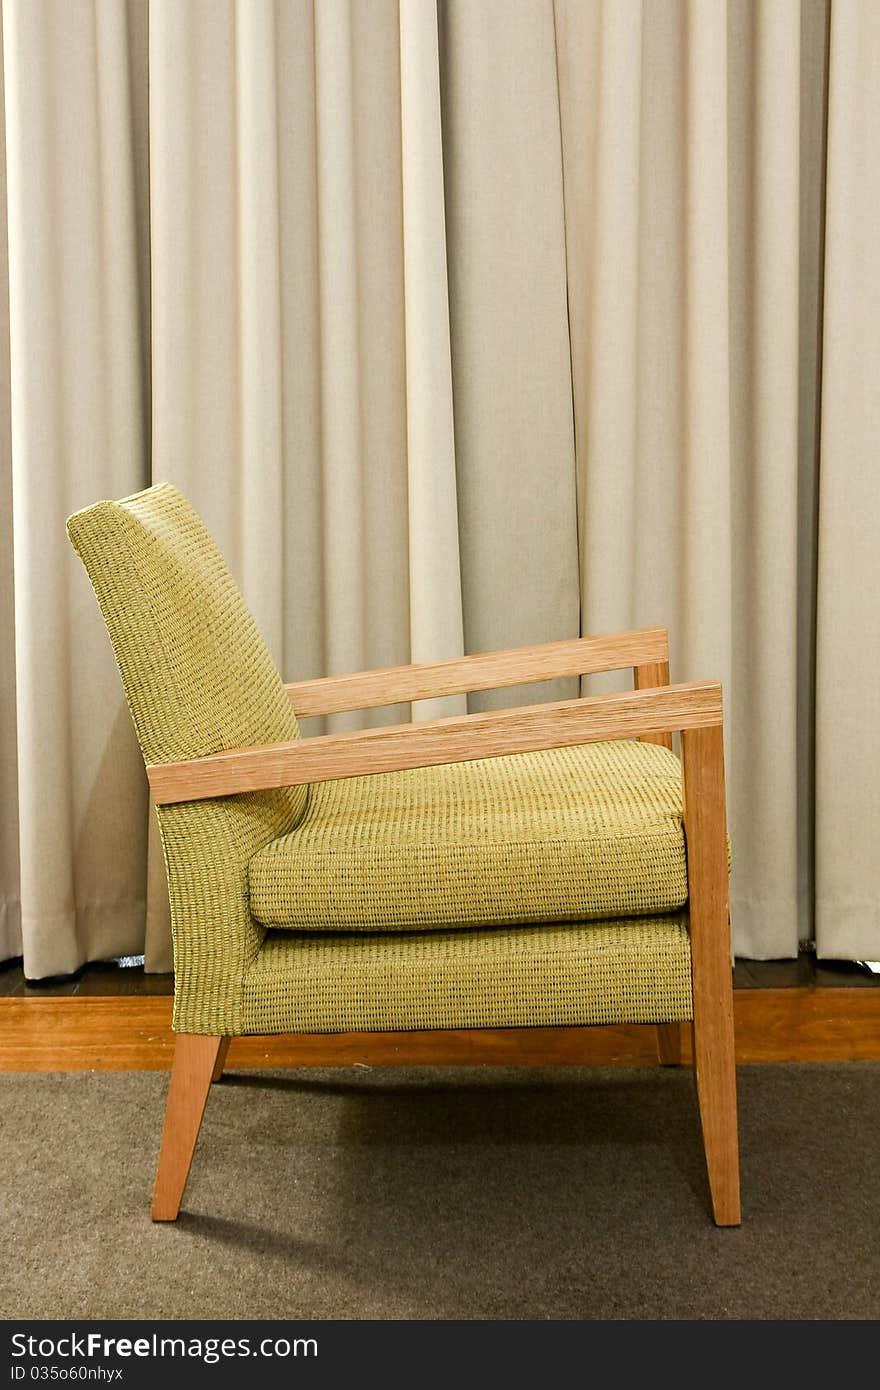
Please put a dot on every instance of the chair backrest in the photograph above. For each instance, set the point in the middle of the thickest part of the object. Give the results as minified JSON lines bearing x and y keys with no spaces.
{"x":198,"y":679}
{"x":197,"y":674}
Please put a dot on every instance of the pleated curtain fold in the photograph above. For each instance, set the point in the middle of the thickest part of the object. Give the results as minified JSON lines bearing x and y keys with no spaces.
{"x":464,"y":326}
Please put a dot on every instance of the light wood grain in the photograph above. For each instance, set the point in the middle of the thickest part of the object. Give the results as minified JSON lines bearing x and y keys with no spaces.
{"x":647,"y":676}
{"x":133,"y":1033}
{"x":711,"y":966}
{"x":438,"y":741}
{"x":578,"y":656}
{"x":195,"y":1058}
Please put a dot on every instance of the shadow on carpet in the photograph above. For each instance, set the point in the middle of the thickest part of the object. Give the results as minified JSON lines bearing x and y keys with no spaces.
{"x":469,"y":1193}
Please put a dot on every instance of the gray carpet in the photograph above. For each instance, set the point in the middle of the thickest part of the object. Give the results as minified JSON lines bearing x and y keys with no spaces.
{"x":442,"y":1194}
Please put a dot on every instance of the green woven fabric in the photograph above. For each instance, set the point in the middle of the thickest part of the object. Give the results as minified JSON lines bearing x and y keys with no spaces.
{"x":636,"y":971}
{"x":198,"y":679}
{"x":569,"y":834}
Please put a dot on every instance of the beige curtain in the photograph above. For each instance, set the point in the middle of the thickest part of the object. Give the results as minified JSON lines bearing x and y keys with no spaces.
{"x":848,"y":638}
{"x":510,"y":355}
{"x":464,"y":326}
{"x":10,"y":891}
{"x":75,"y":89}
{"x":681,"y":148}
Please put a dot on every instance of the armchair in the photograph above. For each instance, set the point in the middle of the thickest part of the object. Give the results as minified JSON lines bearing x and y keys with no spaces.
{"x":550,"y":866}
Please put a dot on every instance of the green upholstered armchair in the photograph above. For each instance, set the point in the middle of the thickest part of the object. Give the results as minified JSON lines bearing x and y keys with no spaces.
{"x":553,"y":866}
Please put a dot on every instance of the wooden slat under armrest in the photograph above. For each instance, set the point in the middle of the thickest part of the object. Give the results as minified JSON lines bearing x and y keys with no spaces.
{"x":461,"y":739}
{"x":579,"y":656}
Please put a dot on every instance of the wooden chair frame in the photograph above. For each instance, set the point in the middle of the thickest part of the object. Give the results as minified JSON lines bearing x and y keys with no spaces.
{"x":652,"y":712}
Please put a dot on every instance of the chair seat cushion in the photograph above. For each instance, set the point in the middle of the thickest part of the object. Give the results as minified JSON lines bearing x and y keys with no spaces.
{"x":572,"y":834}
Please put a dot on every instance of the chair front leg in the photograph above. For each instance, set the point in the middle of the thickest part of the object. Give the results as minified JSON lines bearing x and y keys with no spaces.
{"x":711,"y":967}
{"x":222,"y":1053}
{"x":196,"y":1057}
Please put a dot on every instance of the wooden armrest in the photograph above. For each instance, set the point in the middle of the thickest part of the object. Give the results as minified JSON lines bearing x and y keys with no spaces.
{"x":457,"y":740}
{"x":579,"y":656}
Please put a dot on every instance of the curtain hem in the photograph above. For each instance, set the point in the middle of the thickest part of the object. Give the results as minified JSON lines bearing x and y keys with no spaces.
{"x":61,"y":943}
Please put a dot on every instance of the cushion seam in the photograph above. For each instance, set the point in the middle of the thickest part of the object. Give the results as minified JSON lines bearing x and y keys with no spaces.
{"x":396,"y":850}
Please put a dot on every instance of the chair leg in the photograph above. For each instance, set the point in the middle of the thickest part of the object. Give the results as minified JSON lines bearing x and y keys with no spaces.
{"x":716,"y":1097}
{"x":669,"y":1044}
{"x":195,"y":1058}
{"x":647,"y":677}
{"x":714,"y":1056}
{"x":221,"y":1059}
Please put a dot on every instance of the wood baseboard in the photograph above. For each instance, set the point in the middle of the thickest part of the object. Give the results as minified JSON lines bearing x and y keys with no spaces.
{"x":134,"y":1034}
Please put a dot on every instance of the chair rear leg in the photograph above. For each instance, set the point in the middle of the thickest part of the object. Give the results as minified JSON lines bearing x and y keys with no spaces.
{"x":712,"y":974}
{"x":669,"y":1044}
{"x":220,"y":1063}
{"x":195,"y":1059}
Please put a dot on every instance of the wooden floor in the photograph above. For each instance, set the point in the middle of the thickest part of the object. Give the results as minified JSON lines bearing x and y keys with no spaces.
{"x":104,"y":978}
{"x":107,"y":978}
{"x":112,"y":1019}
